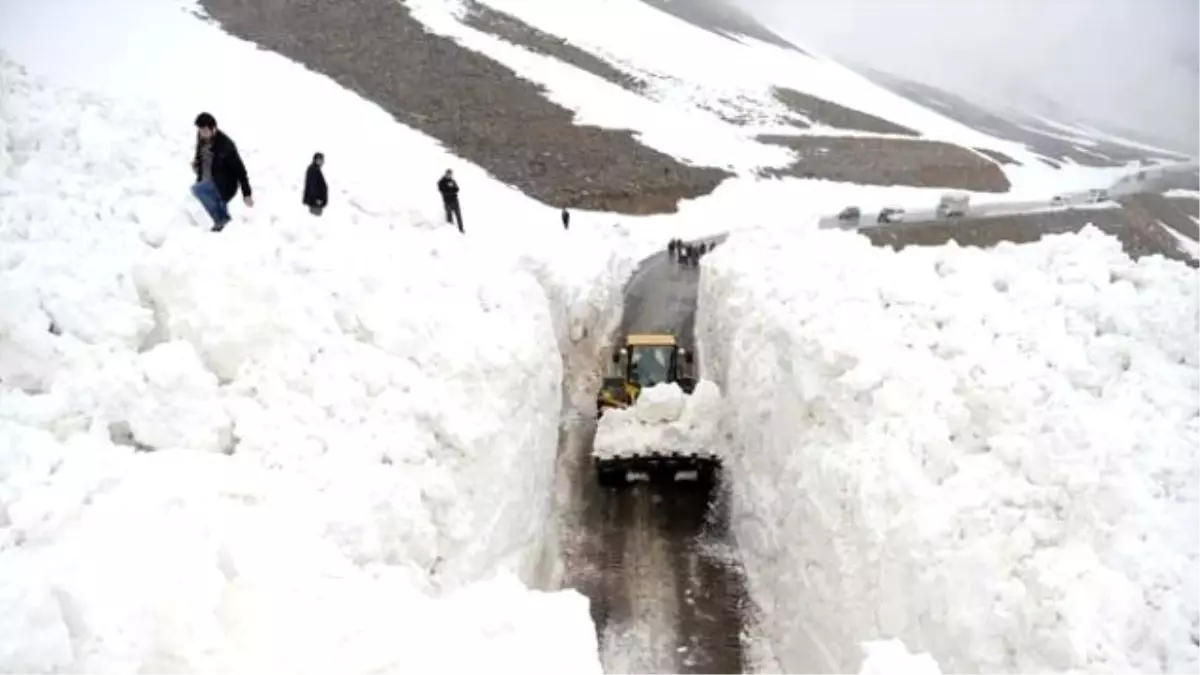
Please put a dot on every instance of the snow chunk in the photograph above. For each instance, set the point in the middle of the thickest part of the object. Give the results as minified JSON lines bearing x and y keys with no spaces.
{"x":988,"y":454}
{"x":885,"y":657}
{"x":663,"y":419}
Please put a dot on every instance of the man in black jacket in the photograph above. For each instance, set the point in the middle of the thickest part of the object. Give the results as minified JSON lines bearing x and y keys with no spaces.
{"x":316,"y":192}
{"x":449,"y":189}
{"x":219,"y":171}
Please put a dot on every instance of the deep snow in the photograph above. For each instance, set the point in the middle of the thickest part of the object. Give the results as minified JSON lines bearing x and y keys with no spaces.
{"x":665,"y":420}
{"x":360,"y":369}
{"x":990,"y":455}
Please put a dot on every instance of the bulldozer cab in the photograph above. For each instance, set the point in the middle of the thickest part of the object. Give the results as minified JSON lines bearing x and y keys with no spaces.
{"x":644,"y":361}
{"x":647,"y":360}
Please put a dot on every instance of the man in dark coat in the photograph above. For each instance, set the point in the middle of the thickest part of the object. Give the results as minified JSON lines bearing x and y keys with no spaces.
{"x":219,"y":171}
{"x":316,"y":191}
{"x":449,"y":189}
{"x":566,"y":219}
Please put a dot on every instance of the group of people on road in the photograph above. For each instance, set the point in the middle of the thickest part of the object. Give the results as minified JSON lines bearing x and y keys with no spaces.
{"x":221,"y":173}
{"x":688,"y":254}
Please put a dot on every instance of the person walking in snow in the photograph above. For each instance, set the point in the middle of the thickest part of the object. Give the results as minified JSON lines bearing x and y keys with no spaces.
{"x":219,"y":171}
{"x":316,"y":191}
{"x":671,"y":249}
{"x":449,"y":189}
{"x":566,"y":219}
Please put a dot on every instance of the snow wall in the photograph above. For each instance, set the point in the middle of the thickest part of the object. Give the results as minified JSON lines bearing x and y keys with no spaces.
{"x":349,"y":422}
{"x":990,"y":455}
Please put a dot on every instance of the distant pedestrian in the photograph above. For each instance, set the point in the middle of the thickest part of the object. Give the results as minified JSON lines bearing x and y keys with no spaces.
{"x":316,"y":190}
{"x":219,"y":171}
{"x":566,"y":219}
{"x":671,"y":249}
{"x":449,"y":189}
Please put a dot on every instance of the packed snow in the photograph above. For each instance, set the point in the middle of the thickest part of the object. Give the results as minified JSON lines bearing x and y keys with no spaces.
{"x":293,"y":445}
{"x":989,"y":455}
{"x":663,"y":419}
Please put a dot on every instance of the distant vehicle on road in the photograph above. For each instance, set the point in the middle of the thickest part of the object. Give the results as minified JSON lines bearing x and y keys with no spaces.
{"x":953,"y":205}
{"x":1097,"y":196}
{"x":891,"y":214}
{"x":850,"y":214}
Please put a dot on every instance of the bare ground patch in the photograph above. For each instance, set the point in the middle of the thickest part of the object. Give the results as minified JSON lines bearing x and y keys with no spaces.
{"x":997,"y":156}
{"x":828,"y":113}
{"x":481,"y":109}
{"x":1156,"y":208}
{"x":1189,"y":205}
{"x":722,"y":19}
{"x":507,"y":27}
{"x":889,"y":161}
{"x":1138,"y":236}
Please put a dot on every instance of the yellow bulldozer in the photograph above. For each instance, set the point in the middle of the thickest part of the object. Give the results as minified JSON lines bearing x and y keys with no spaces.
{"x":644,"y":360}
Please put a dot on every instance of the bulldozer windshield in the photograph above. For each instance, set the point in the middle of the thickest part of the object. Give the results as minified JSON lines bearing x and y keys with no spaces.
{"x":651,"y":365}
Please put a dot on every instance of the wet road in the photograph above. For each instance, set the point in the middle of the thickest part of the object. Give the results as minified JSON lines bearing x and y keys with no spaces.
{"x":654,"y":561}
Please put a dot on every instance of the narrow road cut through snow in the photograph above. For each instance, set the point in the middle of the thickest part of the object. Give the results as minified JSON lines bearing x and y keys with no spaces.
{"x":664,"y":597}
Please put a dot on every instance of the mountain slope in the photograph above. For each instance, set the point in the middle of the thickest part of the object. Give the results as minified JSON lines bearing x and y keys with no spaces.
{"x":581,"y":105}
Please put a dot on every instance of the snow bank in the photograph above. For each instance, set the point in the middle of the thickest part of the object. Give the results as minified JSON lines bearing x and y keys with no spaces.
{"x":584,"y":276}
{"x":360,"y":411}
{"x":990,"y":455}
{"x":664,"y":419}
{"x":187,"y":561}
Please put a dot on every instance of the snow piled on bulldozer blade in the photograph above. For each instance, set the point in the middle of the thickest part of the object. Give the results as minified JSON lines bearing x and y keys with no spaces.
{"x":664,"y":420}
{"x":989,"y":455}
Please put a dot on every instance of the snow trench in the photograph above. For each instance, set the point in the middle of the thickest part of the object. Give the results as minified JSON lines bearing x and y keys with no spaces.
{"x":291,"y":446}
{"x":988,"y":455}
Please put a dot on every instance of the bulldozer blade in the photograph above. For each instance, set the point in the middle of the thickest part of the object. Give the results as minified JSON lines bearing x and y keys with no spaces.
{"x":658,"y":468}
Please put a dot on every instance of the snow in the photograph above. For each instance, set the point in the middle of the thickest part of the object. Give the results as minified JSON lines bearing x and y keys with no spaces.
{"x":663,"y":419}
{"x":189,"y":561}
{"x":339,"y":475}
{"x":989,"y":455}
{"x":690,"y":80}
{"x":891,"y":656}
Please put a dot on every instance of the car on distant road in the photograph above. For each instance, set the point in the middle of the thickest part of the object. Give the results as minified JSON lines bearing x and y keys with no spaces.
{"x":890,"y":214}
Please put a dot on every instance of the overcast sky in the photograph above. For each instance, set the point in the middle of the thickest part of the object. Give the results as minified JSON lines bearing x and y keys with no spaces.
{"x":1130,"y":63}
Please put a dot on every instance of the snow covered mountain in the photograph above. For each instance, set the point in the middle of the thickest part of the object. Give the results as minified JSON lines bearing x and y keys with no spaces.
{"x":334,"y":444}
